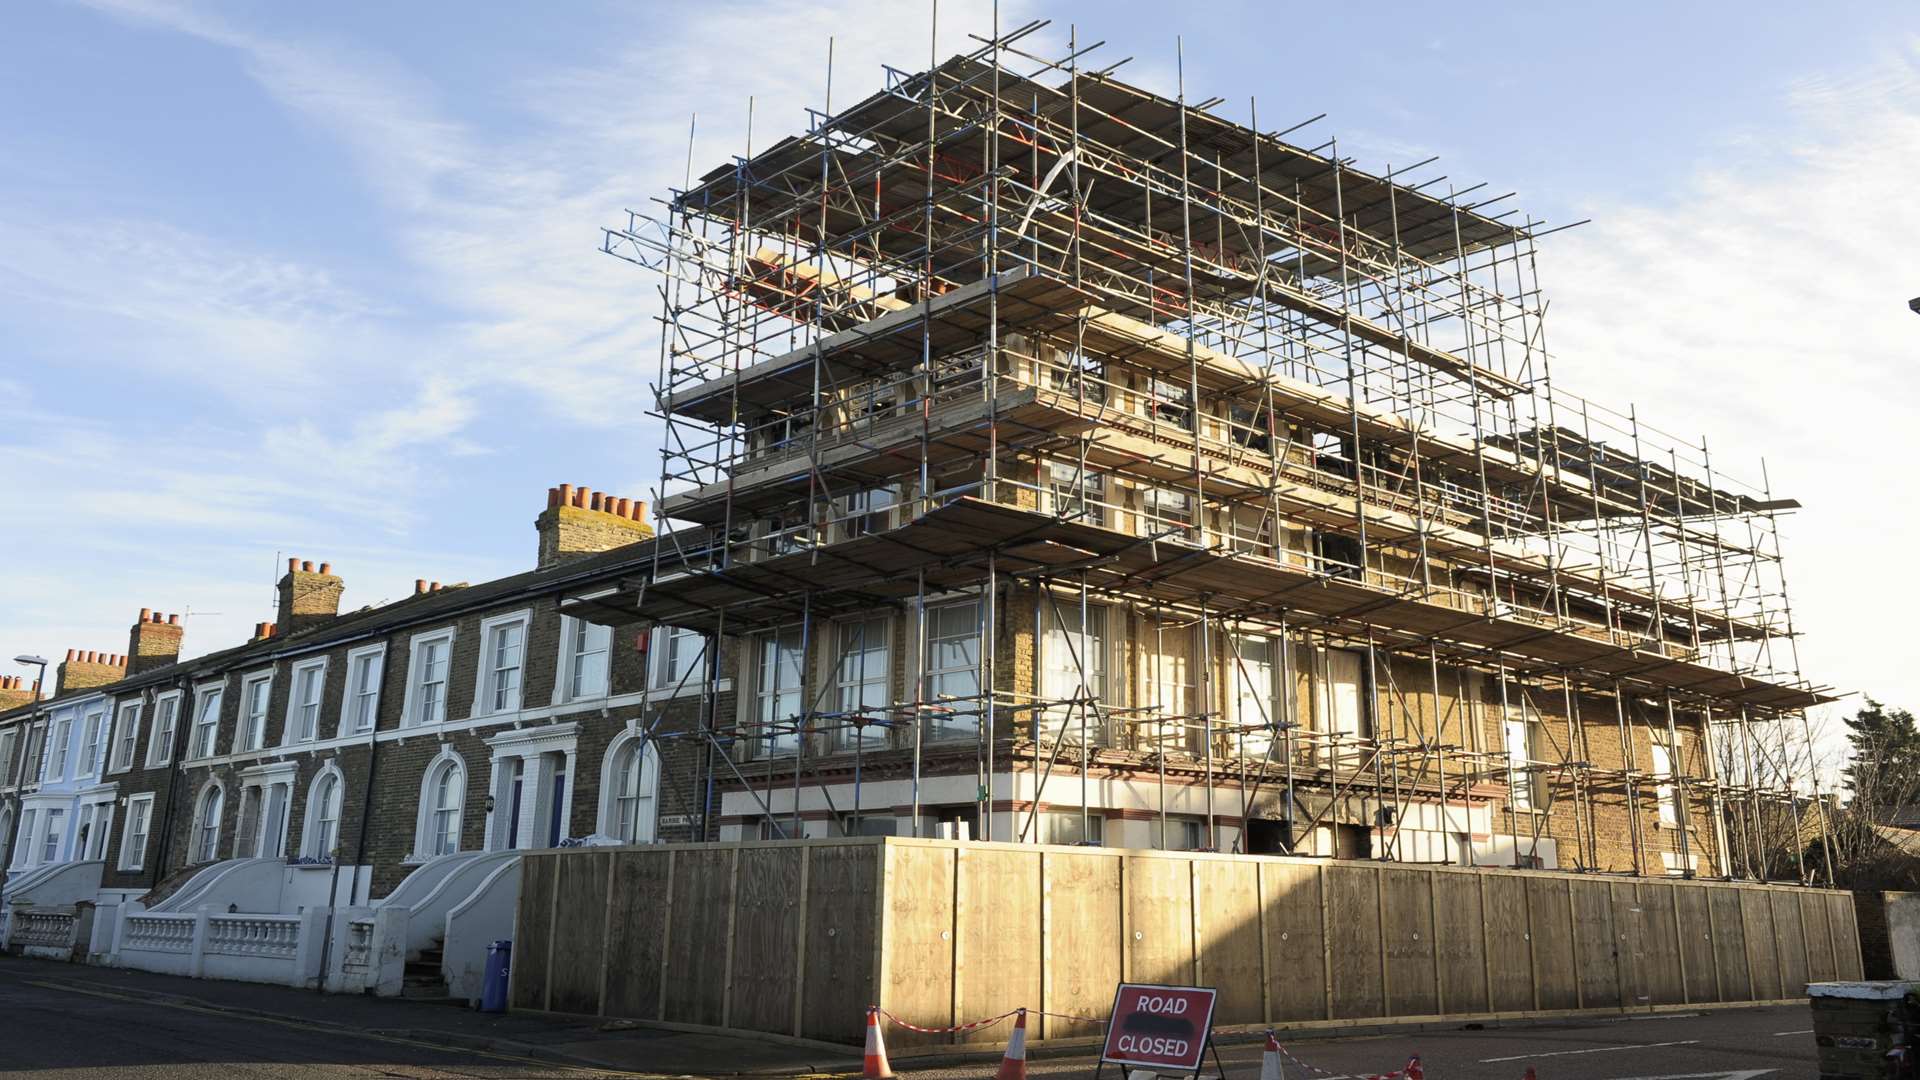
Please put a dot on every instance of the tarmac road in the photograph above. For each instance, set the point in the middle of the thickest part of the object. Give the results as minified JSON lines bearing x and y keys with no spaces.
{"x":1774,"y":1043}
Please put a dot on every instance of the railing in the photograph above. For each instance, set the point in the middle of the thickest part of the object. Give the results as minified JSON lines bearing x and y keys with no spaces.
{"x":43,"y":929}
{"x":271,"y":936}
{"x":158,"y":933}
{"x":358,"y":952}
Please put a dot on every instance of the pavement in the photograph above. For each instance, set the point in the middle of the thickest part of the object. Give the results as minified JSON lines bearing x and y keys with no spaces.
{"x":77,"y":1022}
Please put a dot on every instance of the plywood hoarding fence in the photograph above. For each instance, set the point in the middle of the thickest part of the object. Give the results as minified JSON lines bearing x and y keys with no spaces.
{"x":796,"y":938}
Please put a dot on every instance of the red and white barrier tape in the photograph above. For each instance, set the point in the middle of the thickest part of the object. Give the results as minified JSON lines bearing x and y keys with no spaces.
{"x":975,"y":1025}
{"x":1405,"y":1072}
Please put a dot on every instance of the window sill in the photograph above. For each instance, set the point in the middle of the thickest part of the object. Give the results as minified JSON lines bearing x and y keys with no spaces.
{"x":677,"y":691}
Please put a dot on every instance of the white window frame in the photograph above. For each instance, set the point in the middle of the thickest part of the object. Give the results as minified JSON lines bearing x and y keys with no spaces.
{"x":61,"y":745}
{"x":426,"y":832}
{"x":244,"y":715}
{"x":416,"y":646}
{"x":293,"y":727}
{"x":52,"y":838}
{"x":165,"y":706}
{"x":93,"y":745}
{"x":854,"y":681}
{"x":485,"y":686}
{"x":1259,"y":702}
{"x":23,"y":841}
{"x":1516,"y":738}
{"x":133,"y":855}
{"x":9,"y":746}
{"x":942,"y":725}
{"x":1664,"y":759}
{"x":217,"y":694}
{"x":564,"y":690}
{"x":356,"y":689}
{"x":194,"y":845}
{"x":1064,"y":653}
{"x":642,"y":794}
{"x":662,"y":675}
{"x":126,"y":733}
{"x":312,"y":819}
{"x":766,"y":701}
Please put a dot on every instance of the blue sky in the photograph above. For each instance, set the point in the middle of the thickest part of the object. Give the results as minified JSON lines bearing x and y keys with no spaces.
{"x":321,"y":280}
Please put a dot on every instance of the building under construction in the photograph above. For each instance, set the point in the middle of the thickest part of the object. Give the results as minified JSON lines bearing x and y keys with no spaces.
{"x":1060,"y":462}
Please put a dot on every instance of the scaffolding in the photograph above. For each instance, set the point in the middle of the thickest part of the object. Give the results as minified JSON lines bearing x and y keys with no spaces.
{"x":1015,"y":332}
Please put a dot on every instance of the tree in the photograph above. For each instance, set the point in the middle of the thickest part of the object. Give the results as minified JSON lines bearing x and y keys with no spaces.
{"x":1883,"y":788}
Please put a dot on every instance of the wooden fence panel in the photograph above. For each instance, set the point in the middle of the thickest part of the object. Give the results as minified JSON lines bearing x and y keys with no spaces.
{"x":579,"y":953}
{"x":1696,"y":942}
{"x":1408,"y":925}
{"x":638,"y":927}
{"x":997,"y":936}
{"x":1226,"y":895}
{"x":1159,"y":920}
{"x":1458,"y":940}
{"x":1763,"y":943}
{"x":1553,"y":956}
{"x":699,"y":946}
{"x":917,"y":953}
{"x":766,"y":939}
{"x":1730,"y":945}
{"x":1294,"y":908}
{"x":532,"y":932}
{"x":1353,"y":928}
{"x":1791,"y":943}
{"x":842,"y":938}
{"x":1596,"y":944}
{"x":1082,"y":939}
{"x":1509,"y":942}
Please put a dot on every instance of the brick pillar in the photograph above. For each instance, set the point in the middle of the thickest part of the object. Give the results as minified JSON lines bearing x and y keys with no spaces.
{"x":308,"y":597}
{"x":154,"y":641}
{"x":580,"y":521}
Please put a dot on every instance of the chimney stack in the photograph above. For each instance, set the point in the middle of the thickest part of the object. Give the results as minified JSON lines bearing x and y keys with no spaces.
{"x":308,"y":597}
{"x":84,"y":669}
{"x":15,"y":691}
{"x":580,"y":521}
{"x":154,"y":641}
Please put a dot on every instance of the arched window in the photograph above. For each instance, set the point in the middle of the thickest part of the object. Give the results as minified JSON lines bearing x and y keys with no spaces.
{"x":443,"y":795}
{"x":630,"y":803}
{"x":206,"y":829}
{"x":322,"y":832}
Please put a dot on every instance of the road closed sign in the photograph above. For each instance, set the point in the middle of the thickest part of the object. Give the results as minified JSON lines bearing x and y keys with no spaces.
{"x":1163,"y":1028}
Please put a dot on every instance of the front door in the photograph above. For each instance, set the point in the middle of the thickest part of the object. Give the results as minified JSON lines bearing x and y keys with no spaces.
{"x":553,"y":814}
{"x":515,"y":783}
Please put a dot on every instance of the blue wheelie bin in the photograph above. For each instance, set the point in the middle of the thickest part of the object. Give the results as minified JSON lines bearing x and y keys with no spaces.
{"x":493,"y":992}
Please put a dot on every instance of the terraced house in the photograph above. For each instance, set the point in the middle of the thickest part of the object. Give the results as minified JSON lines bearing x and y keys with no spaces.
{"x":323,"y":762}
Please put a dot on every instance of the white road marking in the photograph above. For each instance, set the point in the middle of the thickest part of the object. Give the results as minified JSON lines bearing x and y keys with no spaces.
{"x":1594,"y":1050}
{"x":1658,"y":1016}
{"x":1745,"y":1074}
{"x":1777,"y":1034}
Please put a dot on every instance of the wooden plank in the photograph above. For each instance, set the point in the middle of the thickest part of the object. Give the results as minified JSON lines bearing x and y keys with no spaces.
{"x":1846,"y":934}
{"x":1084,"y":946}
{"x":1789,"y":944}
{"x":1296,"y":951}
{"x":695,"y":972}
{"x":1408,"y":925}
{"x":532,"y":925}
{"x":1696,"y":941}
{"x":1813,"y":915}
{"x":919,"y":950}
{"x":997,"y":936}
{"x":636,"y":923}
{"x":579,"y":941}
{"x":1227,"y":899}
{"x":1354,"y":939}
{"x":1763,"y":948}
{"x":1553,"y":950}
{"x":1159,"y":920}
{"x":1507,"y":942}
{"x":842,"y":939}
{"x":766,"y":939}
{"x":1629,"y":942}
{"x":1730,"y":945}
{"x":1659,"y":947}
{"x":1596,"y":968}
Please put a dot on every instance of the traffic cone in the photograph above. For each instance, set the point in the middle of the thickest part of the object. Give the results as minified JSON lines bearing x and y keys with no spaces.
{"x":1270,"y":1060}
{"x":1413,"y":1070}
{"x":1529,"y":1075}
{"x":1013,"y":1064}
{"x":876,"y":1067}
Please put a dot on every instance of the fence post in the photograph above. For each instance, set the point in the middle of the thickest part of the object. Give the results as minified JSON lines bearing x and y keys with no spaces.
{"x":309,"y":948}
{"x":197,"y":962}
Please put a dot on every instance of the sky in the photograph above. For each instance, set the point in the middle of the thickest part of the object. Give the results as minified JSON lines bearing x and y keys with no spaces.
{"x":322,"y":280}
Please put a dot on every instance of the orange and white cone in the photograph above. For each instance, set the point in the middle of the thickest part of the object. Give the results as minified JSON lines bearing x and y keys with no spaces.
{"x":1013,"y":1064}
{"x":1413,"y":1069}
{"x":1270,"y":1060}
{"x":1529,"y":1075}
{"x":876,"y":1067}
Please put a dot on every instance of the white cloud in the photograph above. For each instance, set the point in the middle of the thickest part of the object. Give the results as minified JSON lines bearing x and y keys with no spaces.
{"x":1763,"y":303}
